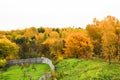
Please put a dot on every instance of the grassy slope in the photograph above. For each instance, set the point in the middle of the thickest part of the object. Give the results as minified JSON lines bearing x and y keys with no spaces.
{"x":16,"y":73}
{"x":75,"y":69}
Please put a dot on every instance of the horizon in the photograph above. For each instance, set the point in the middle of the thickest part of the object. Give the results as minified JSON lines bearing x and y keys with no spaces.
{"x":23,"y":14}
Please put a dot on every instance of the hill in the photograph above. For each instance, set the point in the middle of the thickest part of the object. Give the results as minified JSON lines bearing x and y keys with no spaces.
{"x":78,"y":69}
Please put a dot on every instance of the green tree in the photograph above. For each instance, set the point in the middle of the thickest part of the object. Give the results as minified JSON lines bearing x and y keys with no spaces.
{"x":41,"y":30}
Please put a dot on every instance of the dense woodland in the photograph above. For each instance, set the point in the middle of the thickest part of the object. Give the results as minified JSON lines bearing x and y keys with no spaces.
{"x":101,"y":39}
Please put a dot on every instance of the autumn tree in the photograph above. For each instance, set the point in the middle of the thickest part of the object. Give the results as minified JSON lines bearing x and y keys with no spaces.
{"x":43,"y":50}
{"x":78,"y":45}
{"x":64,"y":34}
{"x":105,"y":37}
{"x":19,"y":39}
{"x":8,"y":49}
{"x":111,"y":30}
{"x":57,"y":47}
{"x":109,"y":47}
{"x":117,"y":32}
{"x":95,"y":32}
{"x":40,"y":38}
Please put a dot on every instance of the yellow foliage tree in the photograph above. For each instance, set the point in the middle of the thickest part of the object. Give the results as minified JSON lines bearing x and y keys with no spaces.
{"x":109,"y":48}
{"x":105,"y":37}
{"x":8,"y":48}
{"x":54,"y":34}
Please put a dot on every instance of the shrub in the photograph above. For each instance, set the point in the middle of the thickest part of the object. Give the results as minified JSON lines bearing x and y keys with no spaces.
{"x":3,"y":62}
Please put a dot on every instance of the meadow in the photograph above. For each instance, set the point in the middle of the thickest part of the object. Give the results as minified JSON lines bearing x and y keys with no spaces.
{"x":80,"y":69}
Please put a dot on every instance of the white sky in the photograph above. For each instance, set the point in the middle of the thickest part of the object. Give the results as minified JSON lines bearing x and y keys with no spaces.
{"x":18,"y":14}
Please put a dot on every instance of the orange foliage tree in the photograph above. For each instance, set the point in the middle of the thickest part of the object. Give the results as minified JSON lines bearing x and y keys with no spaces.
{"x":78,"y":45}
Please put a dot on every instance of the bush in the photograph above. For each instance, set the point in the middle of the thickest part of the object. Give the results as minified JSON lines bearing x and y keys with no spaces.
{"x":3,"y":62}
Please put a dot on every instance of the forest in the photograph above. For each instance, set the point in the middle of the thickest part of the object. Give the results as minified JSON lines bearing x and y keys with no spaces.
{"x":100,"y":39}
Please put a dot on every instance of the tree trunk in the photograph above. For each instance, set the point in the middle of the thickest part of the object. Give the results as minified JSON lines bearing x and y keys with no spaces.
{"x":117,"y":54}
{"x":109,"y":59}
{"x":119,"y":58}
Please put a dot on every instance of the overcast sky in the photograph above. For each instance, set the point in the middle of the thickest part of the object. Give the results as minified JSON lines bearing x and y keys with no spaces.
{"x":18,"y":14}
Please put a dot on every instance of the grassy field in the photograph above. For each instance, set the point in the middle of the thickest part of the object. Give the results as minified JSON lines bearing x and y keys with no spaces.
{"x":24,"y":73}
{"x":76,"y":69}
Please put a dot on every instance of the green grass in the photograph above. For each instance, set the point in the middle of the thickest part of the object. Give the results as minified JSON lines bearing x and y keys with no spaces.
{"x":19,"y":73}
{"x":76,"y":69}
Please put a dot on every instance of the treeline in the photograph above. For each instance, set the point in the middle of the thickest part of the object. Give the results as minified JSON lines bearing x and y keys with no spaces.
{"x":101,"y":39}
{"x":34,"y":42}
